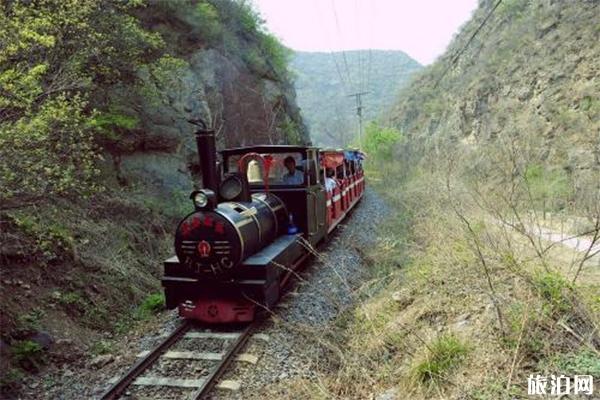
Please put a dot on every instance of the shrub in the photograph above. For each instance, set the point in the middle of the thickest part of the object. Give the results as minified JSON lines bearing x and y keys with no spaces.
{"x":47,"y":143}
{"x":151,"y":305}
{"x":554,"y":288}
{"x":28,"y":353}
{"x":443,"y":355}
{"x":209,"y":22}
{"x":379,"y":141}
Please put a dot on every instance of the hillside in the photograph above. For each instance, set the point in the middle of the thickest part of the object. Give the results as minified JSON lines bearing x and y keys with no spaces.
{"x":487,"y":275}
{"x":97,"y":158}
{"x":323,"y":84}
{"x":531,"y":72}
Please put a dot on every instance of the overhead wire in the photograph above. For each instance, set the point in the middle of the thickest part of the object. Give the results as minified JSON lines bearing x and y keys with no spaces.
{"x":344,"y":57}
{"x":331,"y":52}
{"x":370,"y":62}
{"x":462,"y":50}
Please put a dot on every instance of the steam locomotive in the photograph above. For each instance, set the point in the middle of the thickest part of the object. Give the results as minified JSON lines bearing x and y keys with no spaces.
{"x":253,"y":224}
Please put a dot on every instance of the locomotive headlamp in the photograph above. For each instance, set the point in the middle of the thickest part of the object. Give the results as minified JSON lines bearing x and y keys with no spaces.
{"x":200,"y":200}
{"x":204,"y":199}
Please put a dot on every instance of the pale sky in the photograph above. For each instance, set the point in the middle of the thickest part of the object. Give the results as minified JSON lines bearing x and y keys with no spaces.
{"x":421,"y":28}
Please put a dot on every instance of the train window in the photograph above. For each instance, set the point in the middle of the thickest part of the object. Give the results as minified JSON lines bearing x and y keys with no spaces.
{"x":278,"y":174}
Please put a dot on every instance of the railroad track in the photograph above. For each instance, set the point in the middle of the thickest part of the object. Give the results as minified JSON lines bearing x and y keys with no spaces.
{"x":233,"y":341}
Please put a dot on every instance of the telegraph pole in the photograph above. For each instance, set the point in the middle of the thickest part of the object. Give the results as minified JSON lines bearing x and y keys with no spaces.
{"x":359,"y":108}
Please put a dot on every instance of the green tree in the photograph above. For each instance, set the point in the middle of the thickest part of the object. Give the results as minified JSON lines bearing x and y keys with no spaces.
{"x":55,"y":57}
{"x":379,"y":141}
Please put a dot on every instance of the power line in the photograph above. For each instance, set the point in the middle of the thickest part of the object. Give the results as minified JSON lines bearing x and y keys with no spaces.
{"x":337,"y":66}
{"x":337,"y":23}
{"x":456,"y":57}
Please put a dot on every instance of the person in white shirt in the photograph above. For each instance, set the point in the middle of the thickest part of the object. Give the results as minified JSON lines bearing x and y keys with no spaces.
{"x":293,"y":176}
{"x":330,"y":183}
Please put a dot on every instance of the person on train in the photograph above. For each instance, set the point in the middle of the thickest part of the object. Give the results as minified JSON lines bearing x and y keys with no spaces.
{"x":293,"y":176}
{"x":330,"y":183}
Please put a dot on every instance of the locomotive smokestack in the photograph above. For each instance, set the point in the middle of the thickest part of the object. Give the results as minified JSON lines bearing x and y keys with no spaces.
{"x":207,"y":151}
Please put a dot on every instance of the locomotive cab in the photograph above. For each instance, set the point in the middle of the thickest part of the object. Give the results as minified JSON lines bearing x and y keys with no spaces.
{"x":265,"y":170}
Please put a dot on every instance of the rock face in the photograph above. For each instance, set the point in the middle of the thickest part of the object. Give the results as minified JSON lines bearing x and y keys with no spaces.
{"x":531,"y":72}
{"x":239,"y":92}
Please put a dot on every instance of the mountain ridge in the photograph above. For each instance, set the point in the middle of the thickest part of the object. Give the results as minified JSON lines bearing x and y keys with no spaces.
{"x":325,"y":80}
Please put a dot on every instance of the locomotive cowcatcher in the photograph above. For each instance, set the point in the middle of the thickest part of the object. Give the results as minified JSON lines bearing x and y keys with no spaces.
{"x":252,"y":226}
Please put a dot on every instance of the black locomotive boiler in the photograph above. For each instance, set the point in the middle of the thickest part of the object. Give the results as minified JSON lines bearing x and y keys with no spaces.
{"x":251,"y":226}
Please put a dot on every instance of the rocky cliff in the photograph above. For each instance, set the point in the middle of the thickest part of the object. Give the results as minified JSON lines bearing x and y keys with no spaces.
{"x":225,"y":72}
{"x":531,"y":72}
{"x":86,"y":238}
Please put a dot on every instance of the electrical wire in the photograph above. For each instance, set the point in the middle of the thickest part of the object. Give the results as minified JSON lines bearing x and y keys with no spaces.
{"x":461,"y":51}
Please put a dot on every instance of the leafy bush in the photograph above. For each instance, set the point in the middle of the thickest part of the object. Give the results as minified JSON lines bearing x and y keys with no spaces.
{"x":28,"y":353}
{"x":379,"y":141}
{"x":56,"y":55}
{"x":151,"y":305}
{"x":554,"y":288}
{"x":443,"y":354}
{"x":209,"y":22}
{"x":550,"y":188}
{"x":51,"y":237}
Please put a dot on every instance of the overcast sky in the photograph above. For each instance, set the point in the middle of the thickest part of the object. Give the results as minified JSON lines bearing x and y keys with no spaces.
{"x":421,"y":28}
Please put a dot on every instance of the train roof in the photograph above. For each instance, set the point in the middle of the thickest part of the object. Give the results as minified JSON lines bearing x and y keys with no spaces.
{"x":280,"y":148}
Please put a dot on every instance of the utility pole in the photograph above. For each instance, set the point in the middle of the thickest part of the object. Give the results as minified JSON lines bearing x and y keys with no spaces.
{"x":359,"y":108}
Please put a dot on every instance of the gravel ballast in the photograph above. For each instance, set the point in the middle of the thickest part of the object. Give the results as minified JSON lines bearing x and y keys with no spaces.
{"x":324,"y":288}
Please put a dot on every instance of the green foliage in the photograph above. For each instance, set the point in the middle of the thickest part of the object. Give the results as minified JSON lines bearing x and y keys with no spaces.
{"x":554,"y":289}
{"x":582,"y":362}
{"x":548,"y":187}
{"x":56,"y":55}
{"x":277,"y":54}
{"x":290,"y":131}
{"x":249,"y":18}
{"x":102,"y":347}
{"x":27,"y":351}
{"x":151,"y":305}
{"x":443,"y":355}
{"x":159,"y":75}
{"x":209,"y":21}
{"x":72,"y":299}
{"x":112,"y":124}
{"x":513,"y":8}
{"x":51,"y":237}
{"x":379,"y":141}
{"x":48,"y":151}
{"x":31,"y":321}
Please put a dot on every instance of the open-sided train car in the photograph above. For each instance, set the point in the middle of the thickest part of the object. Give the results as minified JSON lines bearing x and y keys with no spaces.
{"x":252,"y":225}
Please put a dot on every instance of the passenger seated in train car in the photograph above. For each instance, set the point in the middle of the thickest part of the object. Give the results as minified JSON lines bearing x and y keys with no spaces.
{"x":330,"y":183}
{"x":340,"y":172}
{"x":293,"y":176}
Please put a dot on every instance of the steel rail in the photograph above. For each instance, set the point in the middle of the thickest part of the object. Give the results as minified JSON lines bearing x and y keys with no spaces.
{"x":115,"y":391}
{"x":216,"y":373}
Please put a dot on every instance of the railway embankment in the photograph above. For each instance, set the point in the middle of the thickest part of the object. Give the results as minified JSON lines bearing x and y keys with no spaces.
{"x":292,"y":342}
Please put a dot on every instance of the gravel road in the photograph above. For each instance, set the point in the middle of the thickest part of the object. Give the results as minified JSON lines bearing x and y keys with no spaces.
{"x":324,"y":289}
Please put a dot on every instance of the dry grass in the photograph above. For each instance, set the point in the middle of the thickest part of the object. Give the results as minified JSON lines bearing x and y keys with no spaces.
{"x":472,"y":312}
